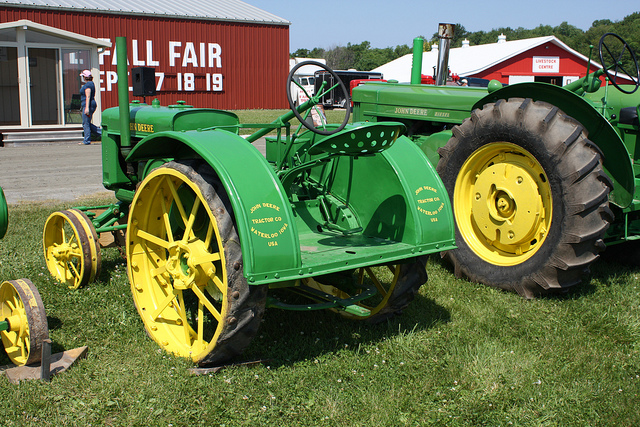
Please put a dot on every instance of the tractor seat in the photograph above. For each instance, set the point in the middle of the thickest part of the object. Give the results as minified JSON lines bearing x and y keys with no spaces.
{"x":360,"y":140}
{"x":629,"y":116}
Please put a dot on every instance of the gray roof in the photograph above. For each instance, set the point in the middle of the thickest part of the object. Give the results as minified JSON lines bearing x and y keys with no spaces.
{"x":217,"y":10}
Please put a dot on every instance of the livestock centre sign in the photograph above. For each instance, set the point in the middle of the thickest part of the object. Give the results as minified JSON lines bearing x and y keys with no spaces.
{"x":546,"y":64}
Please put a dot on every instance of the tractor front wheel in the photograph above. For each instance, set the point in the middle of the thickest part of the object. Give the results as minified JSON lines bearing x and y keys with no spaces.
{"x":529,"y":197}
{"x":71,"y":248}
{"x":185,"y":265}
{"x":22,"y":309}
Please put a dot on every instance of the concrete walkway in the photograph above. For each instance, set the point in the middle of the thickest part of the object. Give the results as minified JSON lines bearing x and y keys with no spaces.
{"x":42,"y":172}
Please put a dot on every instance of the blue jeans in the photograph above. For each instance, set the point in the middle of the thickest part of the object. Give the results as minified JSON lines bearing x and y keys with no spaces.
{"x":88,"y":127}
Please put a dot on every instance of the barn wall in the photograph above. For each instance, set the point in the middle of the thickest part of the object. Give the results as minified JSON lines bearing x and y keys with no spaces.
{"x":217,"y":64}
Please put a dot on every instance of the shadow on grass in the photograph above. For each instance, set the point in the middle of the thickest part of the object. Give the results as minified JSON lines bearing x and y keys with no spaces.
{"x":616,"y":260}
{"x":287,"y":337}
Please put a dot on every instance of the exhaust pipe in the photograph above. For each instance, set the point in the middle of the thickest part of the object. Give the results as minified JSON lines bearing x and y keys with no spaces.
{"x":123,"y":93}
{"x":445,"y":34}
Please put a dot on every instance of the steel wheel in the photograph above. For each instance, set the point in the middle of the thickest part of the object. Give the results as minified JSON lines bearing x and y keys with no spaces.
{"x":502,"y":203}
{"x":184,"y":266}
{"x":71,"y":248}
{"x":396,"y":286}
{"x":21,"y":306}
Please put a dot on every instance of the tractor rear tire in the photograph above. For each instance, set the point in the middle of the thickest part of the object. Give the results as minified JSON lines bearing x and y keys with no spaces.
{"x":529,"y":195}
{"x":185,"y":265}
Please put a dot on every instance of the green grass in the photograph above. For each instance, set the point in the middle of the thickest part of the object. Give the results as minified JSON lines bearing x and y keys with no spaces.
{"x":461,"y":354}
{"x":267,"y":116}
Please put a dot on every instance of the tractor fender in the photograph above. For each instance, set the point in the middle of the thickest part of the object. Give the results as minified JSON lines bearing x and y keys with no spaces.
{"x":617,"y":162}
{"x":263,"y":215}
{"x":425,"y":195}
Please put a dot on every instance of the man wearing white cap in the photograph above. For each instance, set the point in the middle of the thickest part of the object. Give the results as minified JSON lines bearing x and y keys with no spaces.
{"x":88,"y":106}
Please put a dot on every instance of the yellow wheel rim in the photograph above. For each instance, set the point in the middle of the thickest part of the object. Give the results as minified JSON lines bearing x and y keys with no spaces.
{"x":503,"y":203}
{"x":71,"y":248}
{"x":21,"y":306}
{"x":384,"y":278}
{"x":176,"y":264}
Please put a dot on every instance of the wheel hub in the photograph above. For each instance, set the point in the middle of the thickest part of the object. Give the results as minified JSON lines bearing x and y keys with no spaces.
{"x":184,"y":267}
{"x":507,"y":205}
{"x":63,"y":252}
{"x":502,"y":203}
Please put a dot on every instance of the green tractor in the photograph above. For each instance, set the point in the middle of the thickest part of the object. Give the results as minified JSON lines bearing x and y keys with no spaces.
{"x":336,"y":217}
{"x":541,"y":178}
{"x":23,"y":320}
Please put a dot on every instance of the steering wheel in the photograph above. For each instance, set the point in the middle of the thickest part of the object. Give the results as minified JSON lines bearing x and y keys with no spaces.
{"x":303,"y":120}
{"x":612,"y":62}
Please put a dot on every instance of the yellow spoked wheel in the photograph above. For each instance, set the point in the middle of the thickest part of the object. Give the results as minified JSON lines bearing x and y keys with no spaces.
{"x":71,"y":248}
{"x":184,"y":259}
{"x":395,"y":286}
{"x":21,"y":307}
{"x":502,"y":203}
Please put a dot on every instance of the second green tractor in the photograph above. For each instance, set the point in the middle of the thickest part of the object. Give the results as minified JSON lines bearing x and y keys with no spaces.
{"x":541,"y":178}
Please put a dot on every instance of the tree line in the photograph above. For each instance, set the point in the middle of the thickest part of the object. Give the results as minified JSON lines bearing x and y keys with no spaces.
{"x":365,"y":58}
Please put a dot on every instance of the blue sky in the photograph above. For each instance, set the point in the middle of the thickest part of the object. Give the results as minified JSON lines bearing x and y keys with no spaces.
{"x":384,"y":23}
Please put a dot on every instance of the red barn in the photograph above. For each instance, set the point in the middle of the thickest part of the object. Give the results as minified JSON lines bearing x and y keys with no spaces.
{"x":543,"y":59}
{"x":216,"y":53}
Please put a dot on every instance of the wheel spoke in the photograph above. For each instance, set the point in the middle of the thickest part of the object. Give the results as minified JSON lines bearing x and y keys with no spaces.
{"x":72,"y":270}
{"x":152,"y":239}
{"x":204,"y":259}
{"x":381,"y":290}
{"x":176,"y":200}
{"x":207,"y":240}
{"x":166,"y":220}
{"x":204,"y":300}
{"x":200,"y":323}
{"x":329,"y":90}
{"x":182,"y":311}
{"x":188,"y":229}
{"x":76,"y":253}
{"x":163,"y":305}
{"x":218,"y":283}
{"x":159,"y":271}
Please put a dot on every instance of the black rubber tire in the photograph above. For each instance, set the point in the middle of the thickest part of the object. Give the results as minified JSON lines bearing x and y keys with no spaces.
{"x":578,"y":184}
{"x":246,"y":303}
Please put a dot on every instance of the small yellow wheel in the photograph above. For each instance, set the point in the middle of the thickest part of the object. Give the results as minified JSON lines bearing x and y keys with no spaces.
{"x":396,"y":286}
{"x":21,"y":307}
{"x":71,"y":248}
{"x":184,"y":265}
